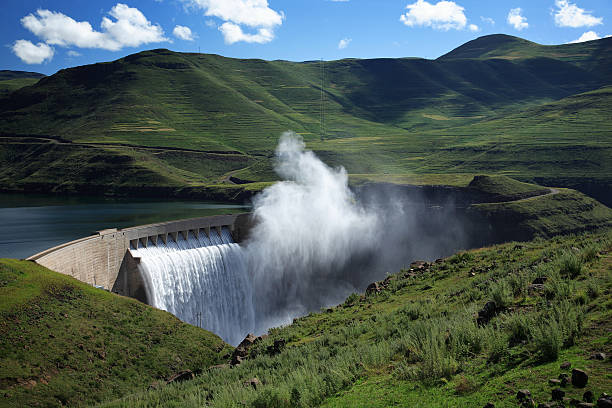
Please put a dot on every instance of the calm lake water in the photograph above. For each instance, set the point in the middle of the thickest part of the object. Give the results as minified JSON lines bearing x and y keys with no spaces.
{"x":32,"y":223}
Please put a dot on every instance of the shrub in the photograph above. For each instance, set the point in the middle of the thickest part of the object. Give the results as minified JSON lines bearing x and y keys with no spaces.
{"x":497,"y":343}
{"x":518,"y":326}
{"x":269,"y":398}
{"x":590,"y":253}
{"x":518,"y":283}
{"x":557,"y":288}
{"x":592,"y":289}
{"x":547,"y":340}
{"x":501,"y":294}
{"x":570,"y":265}
{"x":352,"y":299}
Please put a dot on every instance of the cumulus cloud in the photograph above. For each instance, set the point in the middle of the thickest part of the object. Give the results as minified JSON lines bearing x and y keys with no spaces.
{"x":570,"y":15}
{"x":254,"y":14}
{"x":588,"y":36}
{"x":73,"y":53}
{"x":182,"y":32}
{"x":130,"y":28}
{"x":516,"y":20}
{"x":344,"y":43}
{"x":444,"y":15}
{"x":232,"y":33}
{"x":32,"y":54}
{"x":473,"y":27}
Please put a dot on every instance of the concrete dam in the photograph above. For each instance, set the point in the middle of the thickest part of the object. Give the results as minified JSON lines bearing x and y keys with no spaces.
{"x":105,"y":259}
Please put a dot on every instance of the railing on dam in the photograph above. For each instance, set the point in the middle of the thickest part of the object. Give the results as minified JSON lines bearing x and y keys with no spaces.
{"x":104,"y":259}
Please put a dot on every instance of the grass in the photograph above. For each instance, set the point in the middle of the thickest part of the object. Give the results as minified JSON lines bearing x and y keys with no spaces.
{"x":410,"y":347}
{"x":63,"y":342}
{"x":511,"y":107}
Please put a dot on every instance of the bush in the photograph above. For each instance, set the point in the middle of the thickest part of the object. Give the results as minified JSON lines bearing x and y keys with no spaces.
{"x":518,"y":326}
{"x":592,"y":289}
{"x":501,"y":294}
{"x":497,"y":344}
{"x":570,"y":265}
{"x":557,"y":288}
{"x":590,"y":253}
{"x":547,"y":340}
{"x":269,"y":398}
{"x":352,"y":299}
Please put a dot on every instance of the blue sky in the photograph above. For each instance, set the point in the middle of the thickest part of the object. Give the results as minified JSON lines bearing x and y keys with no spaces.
{"x":48,"y":35}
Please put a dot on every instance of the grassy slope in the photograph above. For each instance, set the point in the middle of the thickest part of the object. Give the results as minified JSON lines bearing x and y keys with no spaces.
{"x":389,"y":119}
{"x":416,"y":343}
{"x":65,"y":342}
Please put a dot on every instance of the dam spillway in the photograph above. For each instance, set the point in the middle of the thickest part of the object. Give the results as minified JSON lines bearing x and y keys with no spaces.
{"x":202,"y":279}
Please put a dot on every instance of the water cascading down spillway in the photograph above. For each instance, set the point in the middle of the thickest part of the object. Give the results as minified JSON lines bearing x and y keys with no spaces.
{"x":202,"y":280}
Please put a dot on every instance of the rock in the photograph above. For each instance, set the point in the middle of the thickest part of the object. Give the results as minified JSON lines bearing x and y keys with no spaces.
{"x":565,"y":379}
{"x":540,"y":280}
{"x":218,"y":367}
{"x":586,"y":405}
{"x":487,"y":312}
{"x":253,"y":382}
{"x":579,"y":378}
{"x":535,"y":287}
{"x":489,"y":405}
{"x":604,"y":402}
{"x":598,"y":356}
{"x":419,"y":265}
{"x":545,"y":405}
{"x":554,"y":381}
{"x":566,"y":365}
{"x":588,"y":396}
{"x":558,"y":394}
{"x":277,"y":347}
{"x":154,"y":385}
{"x":528,"y":403}
{"x":523,"y":394}
{"x":242,"y":351}
{"x":181,"y":376}
{"x":373,"y":288}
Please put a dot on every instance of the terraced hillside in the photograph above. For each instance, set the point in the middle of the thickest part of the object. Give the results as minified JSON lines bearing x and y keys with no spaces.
{"x":498,"y":105}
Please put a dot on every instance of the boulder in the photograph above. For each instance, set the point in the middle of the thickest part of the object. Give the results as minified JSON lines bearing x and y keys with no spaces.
{"x":565,"y":379}
{"x":489,"y":405}
{"x":419,"y":265}
{"x":277,"y":347}
{"x":242,"y":351}
{"x":181,"y":376}
{"x":554,"y":381}
{"x":586,"y":405}
{"x":588,"y":396}
{"x":540,"y":280}
{"x":604,"y":401}
{"x":558,"y":394}
{"x":598,"y":356}
{"x":487,"y":312}
{"x":373,"y":288}
{"x":566,"y":365}
{"x":579,"y":378}
{"x":253,"y":382}
{"x":523,"y":394}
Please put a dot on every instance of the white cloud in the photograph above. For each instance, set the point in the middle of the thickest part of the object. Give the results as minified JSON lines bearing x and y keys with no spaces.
{"x":182,"y":32}
{"x":570,"y":15}
{"x":232,"y":33}
{"x":588,"y":36}
{"x":32,"y":54}
{"x":516,"y":20}
{"x":210,"y":23}
{"x":444,"y":15}
{"x":487,"y":20}
{"x":473,"y":27}
{"x":254,"y":14}
{"x":344,"y":43}
{"x":73,"y":53}
{"x":130,"y":28}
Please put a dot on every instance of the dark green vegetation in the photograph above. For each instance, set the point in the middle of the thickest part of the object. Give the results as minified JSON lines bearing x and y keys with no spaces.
{"x":416,"y":341}
{"x":65,"y":342}
{"x":496,"y":105}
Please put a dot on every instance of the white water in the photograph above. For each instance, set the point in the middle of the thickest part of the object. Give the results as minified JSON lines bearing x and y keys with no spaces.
{"x":202,"y":281}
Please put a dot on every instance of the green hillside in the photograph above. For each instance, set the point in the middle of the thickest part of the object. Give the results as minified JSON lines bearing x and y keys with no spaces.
{"x":496,"y":105}
{"x":13,"y":80}
{"x":63,"y":342}
{"x":415,"y":340}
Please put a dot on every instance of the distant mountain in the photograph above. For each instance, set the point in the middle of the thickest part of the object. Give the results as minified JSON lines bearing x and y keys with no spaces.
{"x":5,"y":74}
{"x":400,"y":111}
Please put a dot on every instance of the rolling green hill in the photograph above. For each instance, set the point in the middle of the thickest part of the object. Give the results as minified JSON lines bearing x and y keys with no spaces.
{"x":13,"y":80}
{"x":63,"y":342}
{"x":414,"y":338}
{"x":497,"y":105}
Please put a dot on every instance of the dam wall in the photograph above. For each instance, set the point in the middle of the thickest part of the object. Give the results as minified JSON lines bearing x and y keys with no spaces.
{"x":104,"y":259}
